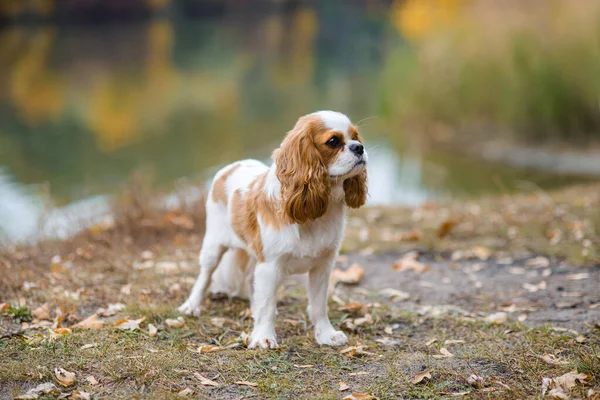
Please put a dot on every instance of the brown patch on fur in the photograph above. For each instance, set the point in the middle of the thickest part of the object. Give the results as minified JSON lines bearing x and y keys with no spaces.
{"x":219,"y":192}
{"x":329,"y":154}
{"x":355,"y":190}
{"x":353,"y":132}
{"x":302,"y":171}
{"x":245,"y":211}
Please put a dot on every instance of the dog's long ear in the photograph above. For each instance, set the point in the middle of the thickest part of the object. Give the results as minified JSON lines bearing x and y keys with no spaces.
{"x":355,"y":190}
{"x":305,"y":187}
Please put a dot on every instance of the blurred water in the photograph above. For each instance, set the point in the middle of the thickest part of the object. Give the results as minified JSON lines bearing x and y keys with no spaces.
{"x":82,"y":107}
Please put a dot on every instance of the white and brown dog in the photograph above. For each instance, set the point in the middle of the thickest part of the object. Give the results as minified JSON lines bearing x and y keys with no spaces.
{"x":265,"y":223}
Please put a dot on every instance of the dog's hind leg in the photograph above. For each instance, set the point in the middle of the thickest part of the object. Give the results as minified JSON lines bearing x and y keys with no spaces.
{"x":233,"y":274}
{"x":210,"y":256}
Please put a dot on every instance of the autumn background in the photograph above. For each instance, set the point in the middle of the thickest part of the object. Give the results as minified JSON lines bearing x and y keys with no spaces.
{"x":482,"y":122}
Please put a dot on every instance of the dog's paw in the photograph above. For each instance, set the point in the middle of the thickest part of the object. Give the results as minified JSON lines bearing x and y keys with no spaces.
{"x":331,"y":338}
{"x":263,"y":340}
{"x":188,"y":309}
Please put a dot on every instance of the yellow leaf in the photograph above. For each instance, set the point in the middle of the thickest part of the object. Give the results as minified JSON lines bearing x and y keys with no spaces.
{"x":64,"y":377}
{"x":422,"y":376}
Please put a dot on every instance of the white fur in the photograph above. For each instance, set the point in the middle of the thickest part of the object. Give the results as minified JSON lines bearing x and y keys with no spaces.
{"x":292,"y":249}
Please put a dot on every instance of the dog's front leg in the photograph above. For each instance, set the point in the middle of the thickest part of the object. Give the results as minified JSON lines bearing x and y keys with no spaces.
{"x":267,"y":277}
{"x":318,"y":284}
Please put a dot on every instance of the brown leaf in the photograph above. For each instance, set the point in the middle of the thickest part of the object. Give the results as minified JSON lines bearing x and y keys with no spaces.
{"x":152,"y":330}
{"x":422,"y":376}
{"x":353,"y":275}
{"x":205,"y":381}
{"x":4,"y":307}
{"x":553,"y":360}
{"x":357,"y":350}
{"x":79,"y":395}
{"x":394,"y":294}
{"x":343,"y":386}
{"x":570,"y":379}
{"x":408,"y":262}
{"x":413,"y":236}
{"x":475,"y":381}
{"x":64,"y":377}
{"x":91,"y":322}
{"x":185,"y":392}
{"x":246,"y":383}
{"x":446,"y":227}
{"x":538,"y":262}
{"x":42,"y":312}
{"x":208,"y":348}
{"x":354,"y":307}
{"x":111,"y":310}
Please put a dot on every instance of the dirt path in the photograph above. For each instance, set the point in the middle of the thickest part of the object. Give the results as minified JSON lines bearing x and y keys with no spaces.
{"x":556,"y":294}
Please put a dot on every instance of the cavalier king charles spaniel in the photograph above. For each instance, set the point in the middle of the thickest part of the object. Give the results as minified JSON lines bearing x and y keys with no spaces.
{"x":264,"y":223}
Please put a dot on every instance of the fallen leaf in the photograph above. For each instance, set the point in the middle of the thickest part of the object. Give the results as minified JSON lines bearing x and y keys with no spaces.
{"x":480,"y":252}
{"x":558,"y":394}
{"x":130,"y":324}
{"x":126,"y":289}
{"x":88,"y":346}
{"x":475,"y":380}
{"x":91,"y":322}
{"x":152,"y":330}
{"x":446,"y":227}
{"x":205,"y":381}
{"x":4,"y":307}
{"x":208,"y":348}
{"x":388,"y":329}
{"x":304,"y":366}
{"x":413,"y":236}
{"x":570,"y":379}
{"x":92,"y":380}
{"x":522,"y":317}
{"x":79,"y":395}
{"x":498,"y":318}
{"x":42,"y":312}
{"x":430,"y":342}
{"x":41,"y":389}
{"x":360,"y":396}
{"x":394,"y":294}
{"x":422,"y":377}
{"x":553,"y":360}
{"x":343,"y":386}
{"x":448,"y":342}
{"x":186,"y":392}
{"x":538,"y":262}
{"x":175,"y":323}
{"x":534,"y":288}
{"x":353,"y":307}
{"x":111,"y":310}
{"x":246,"y":383}
{"x":357,"y":350}
{"x":64,"y":377}
{"x":444,"y":353}
{"x":409,"y":262}
{"x":580,"y":339}
{"x":578,"y":277}
{"x":353,"y":275}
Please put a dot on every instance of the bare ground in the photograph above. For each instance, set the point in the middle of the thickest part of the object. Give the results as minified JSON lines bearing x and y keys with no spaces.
{"x":532,"y":257}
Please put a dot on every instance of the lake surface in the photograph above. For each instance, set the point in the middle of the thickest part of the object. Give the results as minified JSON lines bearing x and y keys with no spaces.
{"x":84,"y":107}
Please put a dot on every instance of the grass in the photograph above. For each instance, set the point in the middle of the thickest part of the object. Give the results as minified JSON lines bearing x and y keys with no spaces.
{"x":522,"y":70}
{"x":104,"y":265}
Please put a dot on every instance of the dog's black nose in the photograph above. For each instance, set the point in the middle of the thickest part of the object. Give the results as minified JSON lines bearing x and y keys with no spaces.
{"x":357,"y":148}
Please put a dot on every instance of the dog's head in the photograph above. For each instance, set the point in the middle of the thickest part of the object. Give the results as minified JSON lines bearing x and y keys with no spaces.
{"x":323,"y":147}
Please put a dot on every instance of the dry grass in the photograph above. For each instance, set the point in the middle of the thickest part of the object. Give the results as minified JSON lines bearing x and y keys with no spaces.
{"x":104,"y":265}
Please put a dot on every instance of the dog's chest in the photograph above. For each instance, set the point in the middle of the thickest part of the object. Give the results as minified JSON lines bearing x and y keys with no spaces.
{"x":310,"y":239}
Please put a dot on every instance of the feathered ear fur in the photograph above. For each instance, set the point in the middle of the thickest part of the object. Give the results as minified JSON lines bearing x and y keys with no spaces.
{"x":305,"y":187}
{"x":355,"y":190}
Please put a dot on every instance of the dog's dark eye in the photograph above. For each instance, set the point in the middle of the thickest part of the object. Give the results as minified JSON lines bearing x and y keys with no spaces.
{"x":333,"y":142}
